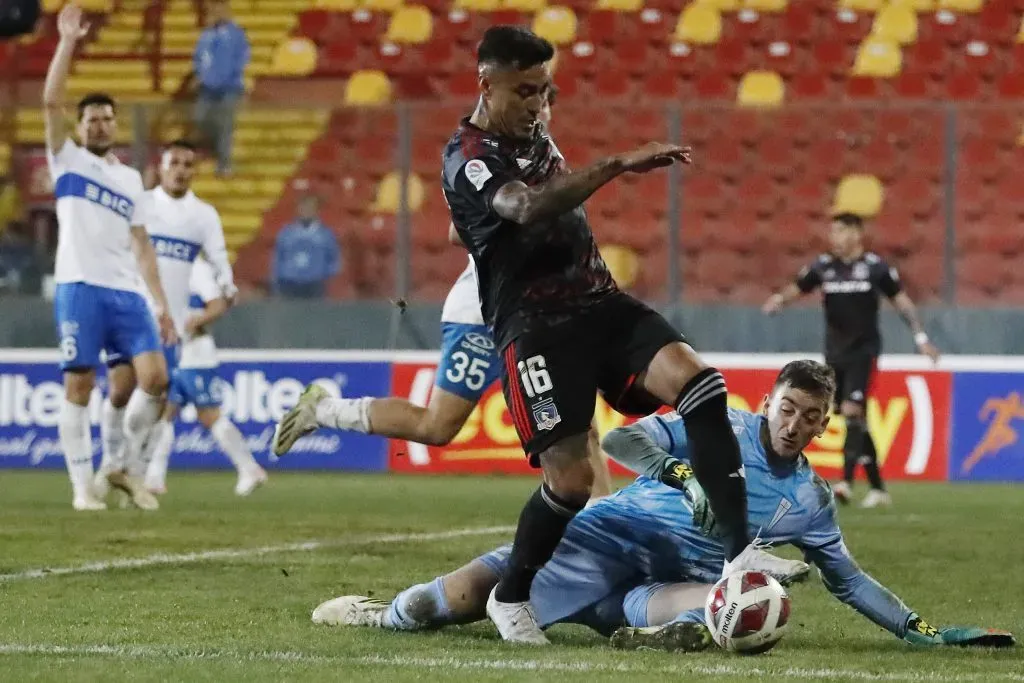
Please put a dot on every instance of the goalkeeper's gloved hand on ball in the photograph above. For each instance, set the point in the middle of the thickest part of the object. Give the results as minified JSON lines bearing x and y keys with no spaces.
{"x":920,"y":633}
{"x":679,"y":476}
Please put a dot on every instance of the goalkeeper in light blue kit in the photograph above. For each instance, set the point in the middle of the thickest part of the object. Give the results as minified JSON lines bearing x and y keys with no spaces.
{"x":639,"y":564}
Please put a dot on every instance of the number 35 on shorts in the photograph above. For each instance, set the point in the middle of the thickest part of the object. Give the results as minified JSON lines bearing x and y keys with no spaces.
{"x":534,"y":375}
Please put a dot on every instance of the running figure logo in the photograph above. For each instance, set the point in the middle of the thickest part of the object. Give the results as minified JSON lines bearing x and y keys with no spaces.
{"x":1000,"y":434}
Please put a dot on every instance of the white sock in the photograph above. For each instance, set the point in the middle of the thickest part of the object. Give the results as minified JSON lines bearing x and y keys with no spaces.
{"x":76,"y":442}
{"x":233,"y":444}
{"x":157,"y":451}
{"x":140,"y":415}
{"x":112,"y":436}
{"x":352,"y":414}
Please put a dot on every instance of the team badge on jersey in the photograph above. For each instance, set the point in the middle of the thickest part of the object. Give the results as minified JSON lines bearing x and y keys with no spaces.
{"x":545,"y":414}
{"x":860,"y":271}
{"x":477,"y":174}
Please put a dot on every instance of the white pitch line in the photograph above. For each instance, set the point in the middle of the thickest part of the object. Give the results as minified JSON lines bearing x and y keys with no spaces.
{"x":232,"y":553}
{"x":475,"y":664}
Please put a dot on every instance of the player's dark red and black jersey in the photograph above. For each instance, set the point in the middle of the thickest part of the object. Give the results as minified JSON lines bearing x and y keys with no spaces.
{"x":851,"y":292}
{"x":528,"y":274}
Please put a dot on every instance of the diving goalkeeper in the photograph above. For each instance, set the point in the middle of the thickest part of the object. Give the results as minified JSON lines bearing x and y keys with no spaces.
{"x":639,"y":565}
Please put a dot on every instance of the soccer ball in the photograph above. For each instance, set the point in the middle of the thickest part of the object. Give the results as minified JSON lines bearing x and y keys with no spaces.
{"x":747,"y":612}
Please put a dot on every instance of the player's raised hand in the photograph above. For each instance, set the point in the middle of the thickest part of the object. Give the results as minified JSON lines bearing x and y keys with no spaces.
{"x":70,"y":24}
{"x":655,"y":155}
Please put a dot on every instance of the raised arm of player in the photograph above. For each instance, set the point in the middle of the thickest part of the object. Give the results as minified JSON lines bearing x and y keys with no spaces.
{"x":146,"y":257}
{"x":71,"y":29}
{"x":824,"y":547}
{"x":520,"y":203}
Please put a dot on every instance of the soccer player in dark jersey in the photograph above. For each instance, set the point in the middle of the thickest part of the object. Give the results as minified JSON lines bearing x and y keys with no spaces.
{"x":562,"y":326}
{"x":852,"y":280}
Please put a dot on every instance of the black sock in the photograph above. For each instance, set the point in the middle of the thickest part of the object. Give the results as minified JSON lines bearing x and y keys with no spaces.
{"x":853,"y":449}
{"x":541,"y":525}
{"x":715,"y":455}
{"x":870,"y":461}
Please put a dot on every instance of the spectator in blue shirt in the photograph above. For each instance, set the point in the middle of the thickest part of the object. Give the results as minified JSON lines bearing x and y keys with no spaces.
{"x":219,"y":62}
{"x":306,"y":255}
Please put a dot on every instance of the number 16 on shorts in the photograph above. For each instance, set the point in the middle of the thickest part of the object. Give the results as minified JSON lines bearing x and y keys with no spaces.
{"x":534,"y":375}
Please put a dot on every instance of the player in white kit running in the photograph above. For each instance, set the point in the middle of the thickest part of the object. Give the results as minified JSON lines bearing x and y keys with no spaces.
{"x":195,"y":381}
{"x":180,"y":225}
{"x":104,"y":260}
{"x":469,"y":364}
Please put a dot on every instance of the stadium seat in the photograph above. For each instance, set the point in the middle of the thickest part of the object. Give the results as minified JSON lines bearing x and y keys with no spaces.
{"x":524,"y":5}
{"x":766,"y":6}
{"x":294,"y":57}
{"x":878,"y":58}
{"x":556,"y":24}
{"x":961,"y":6}
{"x":477,"y":5}
{"x":896,"y":24}
{"x":862,"y":88}
{"x":368,"y":88}
{"x":963,"y":86}
{"x":916,"y":5}
{"x":381,"y":5}
{"x":96,"y":6}
{"x":721,"y":5}
{"x":809,"y":86}
{"x":337,"y":5}
{"x":699,"y":25}
{"x":620,"y":5}
{"x":411,"y":24}
{"x":761,"y":89}
{"x":389,"y":194}
{"x":860,"y":194}
{"x":862,"y":5}
{"x":623,"y":263}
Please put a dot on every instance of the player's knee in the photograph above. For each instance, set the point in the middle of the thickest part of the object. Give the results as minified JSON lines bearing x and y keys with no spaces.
{"x":568,"y":471}
{"x":154,"y":381}
{"x":78,"y":387}
{"x":440,"y":430}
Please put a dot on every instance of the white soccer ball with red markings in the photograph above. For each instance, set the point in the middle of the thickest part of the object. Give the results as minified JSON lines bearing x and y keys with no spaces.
{"x":747,"y":612}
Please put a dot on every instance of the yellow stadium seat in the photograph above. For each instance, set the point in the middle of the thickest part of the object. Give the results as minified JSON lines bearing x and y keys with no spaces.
{"x":524,"y":5}
{"x":411,"y":24}
{"x":916,"y":5}
{"x":721,"y":5}
{"x":1020,"y":31}
{"x":338,"y":5}
{"x":961,"y":6}
{"x":368,"y":88}
{"x":52,"y":6}
{"x":766,"y":6}
{"x":895,"y":23}
{"x":96,"y":5}
{"x":862,"y":5}
{"x":294,"y":57}
{"x":878,"y":59}
{"x":699,"y":24}
{"x":761,"y":89}
{"x":389,"y":193}
{"x":622,"y":262}
{"x":382,"y":5}
{"x":861,"y":194}
{"x":621,"y":5}
{"x":477,"y":5}
{"x":557,"y":24}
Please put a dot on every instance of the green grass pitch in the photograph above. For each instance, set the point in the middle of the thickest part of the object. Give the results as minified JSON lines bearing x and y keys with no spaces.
{"x":223,"y":588}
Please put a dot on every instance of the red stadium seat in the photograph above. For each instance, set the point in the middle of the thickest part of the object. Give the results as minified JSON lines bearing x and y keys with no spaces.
{"x":632,"y":56}
{"x":798,"y":23}
{"x":664,"y":85}
{"x":859,"y":87}
{"x":783,"y":58}
{"x":963,"y":86}
{"x":731,"y":56}
{"x":912,"y":85}
{"x":809,"y":86}
{"x":930,"y":57}
{"x":981,"y":158}
{"x":714,"y":86}
{"x":880,"y":158}
{"x":611,"y":85}
{"x":832,"y":57}
{"x":315,"y":24}
{"x":1011,"y":86}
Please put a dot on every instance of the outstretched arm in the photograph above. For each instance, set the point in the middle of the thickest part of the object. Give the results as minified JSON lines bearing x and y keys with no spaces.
{"x":780,"y":299}
{"x":72,"y":29}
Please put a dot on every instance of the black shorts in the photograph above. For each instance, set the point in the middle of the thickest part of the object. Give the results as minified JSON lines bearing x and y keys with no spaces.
{"x":551,"y":373}
{"x":853,"y":379}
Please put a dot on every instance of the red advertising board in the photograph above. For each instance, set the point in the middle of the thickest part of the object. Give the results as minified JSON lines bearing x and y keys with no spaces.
{"x":908,"y":415}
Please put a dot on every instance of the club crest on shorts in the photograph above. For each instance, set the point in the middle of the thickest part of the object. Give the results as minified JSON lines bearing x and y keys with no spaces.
{"x":545,"y":414}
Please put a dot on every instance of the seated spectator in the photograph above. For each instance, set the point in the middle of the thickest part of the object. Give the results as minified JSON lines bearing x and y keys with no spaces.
{"x":306,"y":255}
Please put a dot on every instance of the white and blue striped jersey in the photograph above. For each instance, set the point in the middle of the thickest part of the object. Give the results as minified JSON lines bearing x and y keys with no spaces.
{"x":180,"y":229}
{"x":97,"y":204}
{"x":200,"y":351}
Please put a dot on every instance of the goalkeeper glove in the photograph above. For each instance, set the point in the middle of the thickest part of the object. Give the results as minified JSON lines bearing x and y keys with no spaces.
{"x":920,"y":633}
{"x":680,"y":476}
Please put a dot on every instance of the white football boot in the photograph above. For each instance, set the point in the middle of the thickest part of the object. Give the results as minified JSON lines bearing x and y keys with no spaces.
{"x":876,"y":499}
{"x":841,"y":490}
{"x":88,"y":502}
{"x":298,"y":421}
{"x":350,"y":610}
{"x":516,"y":621}
{"x":135,"y":488}
{"x":250,"y":479}
{"x":755,"y":558}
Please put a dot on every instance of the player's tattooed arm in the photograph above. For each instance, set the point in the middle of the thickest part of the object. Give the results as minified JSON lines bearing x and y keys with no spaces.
{"x":908,"y":311}
{"x":71,"y":28}
{"x":517,"y":202}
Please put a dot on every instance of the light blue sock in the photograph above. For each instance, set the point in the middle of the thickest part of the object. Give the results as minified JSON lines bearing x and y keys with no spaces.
{"x":422,"y":606}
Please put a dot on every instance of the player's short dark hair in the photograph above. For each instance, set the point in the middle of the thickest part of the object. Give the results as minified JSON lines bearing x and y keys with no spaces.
{"x":513,"y":46}
{"x":95,"y":99}
{"x":850,"y":220}
{"x":817,"y":379}
{"x":180,"y":143}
